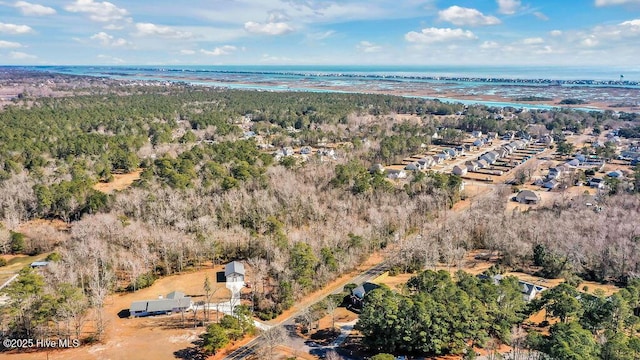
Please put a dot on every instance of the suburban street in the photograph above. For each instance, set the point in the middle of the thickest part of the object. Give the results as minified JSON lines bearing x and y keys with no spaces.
{"x":289,"y":322}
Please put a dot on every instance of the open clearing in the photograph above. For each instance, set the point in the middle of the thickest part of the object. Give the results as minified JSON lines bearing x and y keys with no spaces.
{"x":151,"y":337}
{"x":120,"y":182}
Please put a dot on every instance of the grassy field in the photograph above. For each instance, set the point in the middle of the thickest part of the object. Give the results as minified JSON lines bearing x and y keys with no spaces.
{"x":15,"y":263}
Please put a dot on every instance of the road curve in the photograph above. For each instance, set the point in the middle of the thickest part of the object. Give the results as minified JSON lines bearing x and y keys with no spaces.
{"x":254,"y":345}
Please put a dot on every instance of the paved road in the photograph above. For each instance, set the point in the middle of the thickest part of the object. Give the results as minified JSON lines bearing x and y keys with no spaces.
{"x":289,"y":322}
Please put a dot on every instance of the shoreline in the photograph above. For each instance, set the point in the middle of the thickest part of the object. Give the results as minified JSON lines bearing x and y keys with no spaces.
{"x":492,"y":95}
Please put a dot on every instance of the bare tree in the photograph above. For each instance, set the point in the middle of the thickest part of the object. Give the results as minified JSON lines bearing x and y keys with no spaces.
{"x":272,"y":338}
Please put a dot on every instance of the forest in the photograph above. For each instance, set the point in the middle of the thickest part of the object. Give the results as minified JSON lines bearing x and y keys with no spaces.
{"x":207,"y":194}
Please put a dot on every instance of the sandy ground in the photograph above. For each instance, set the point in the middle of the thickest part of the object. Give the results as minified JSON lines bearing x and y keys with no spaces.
{"x":120,"y":182}
{"x":145,"y":338}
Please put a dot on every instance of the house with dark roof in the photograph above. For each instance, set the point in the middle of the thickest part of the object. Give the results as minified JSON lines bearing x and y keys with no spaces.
{"x":175,"y":302}
{"x":527,"y":197}
{"x":234,"y":271}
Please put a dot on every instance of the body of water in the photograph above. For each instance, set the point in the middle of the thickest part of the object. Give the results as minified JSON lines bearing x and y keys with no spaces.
{"x":588,"y":83}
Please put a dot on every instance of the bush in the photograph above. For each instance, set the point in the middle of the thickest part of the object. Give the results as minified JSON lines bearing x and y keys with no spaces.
{"x":17,"y":242}
{"x":3,"y":262}
{"x":54,"y":256}
{"x":143,"y":281}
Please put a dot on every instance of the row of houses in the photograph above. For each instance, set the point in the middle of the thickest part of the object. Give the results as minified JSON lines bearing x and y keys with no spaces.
{"x":489,"y":158}
{"x":430,"y":161}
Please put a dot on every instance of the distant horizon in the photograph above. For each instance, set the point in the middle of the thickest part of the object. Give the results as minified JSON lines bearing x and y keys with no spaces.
{"x":308,"y":32}
{"x":561,"y":73}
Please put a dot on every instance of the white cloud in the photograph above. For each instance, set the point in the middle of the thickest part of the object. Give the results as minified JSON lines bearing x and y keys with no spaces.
{"x":187,"y":52}
{"x":509,"y":7}
{"x":616,"y":2}
{"x":270,"y":28}
{"x":590,"y":41}
{"x":489,"y":45}
{"x":541,"y":16}
{"x":555,"y":33}
{"x":113,"y":27}
{"x":432,"y":35}
{"x":149,"y":29}
{"x":18,"y":55}
{"x":98,"y":11}
{"x":321,"y":35}
{"x":14,"y":29}
{"x":460,"y":16}
{"x":30,"y":9}
{"x":368,"y":47}
{"x":219,"y":51}
{"x":277,"y":16}
{"x":9,"y":44}
{"x":533,"y":41}
{"x":632,"y":23}
{"x":108,"y":40}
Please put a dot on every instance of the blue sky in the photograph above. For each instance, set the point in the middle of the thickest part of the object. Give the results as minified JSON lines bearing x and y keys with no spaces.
{"x":411,"y":32}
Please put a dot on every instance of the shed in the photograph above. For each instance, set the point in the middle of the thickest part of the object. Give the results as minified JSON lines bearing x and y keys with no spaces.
{"x":234,"y":271}
{"x":39,"y":264}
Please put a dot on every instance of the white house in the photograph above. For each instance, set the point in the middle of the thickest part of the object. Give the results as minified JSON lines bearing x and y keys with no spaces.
{"x":234,"y":272}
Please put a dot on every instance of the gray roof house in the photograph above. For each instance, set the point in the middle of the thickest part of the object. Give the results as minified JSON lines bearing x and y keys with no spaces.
{"x":451,"y":152}
{"x":234,"y":271}
{"x":459,"y":170}
{"x":358,"y":293}
{"x":175,"y":301}
{"x":528,"y":290}
{"x":489,"y":157}
{"x":527,"y":197}
{"x":471,"y":165}
{"x":412,"y":167}
{"x":426,"y":162}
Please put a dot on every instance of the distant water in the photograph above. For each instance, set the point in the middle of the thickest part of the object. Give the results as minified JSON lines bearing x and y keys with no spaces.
{"x":616,"y":85}
{"x":551,"y":73}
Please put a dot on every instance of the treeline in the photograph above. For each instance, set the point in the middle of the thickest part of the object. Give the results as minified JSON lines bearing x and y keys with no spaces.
{"x":570,"y":238}
{"x":590,"y":326}
{"x":440,"y":316}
